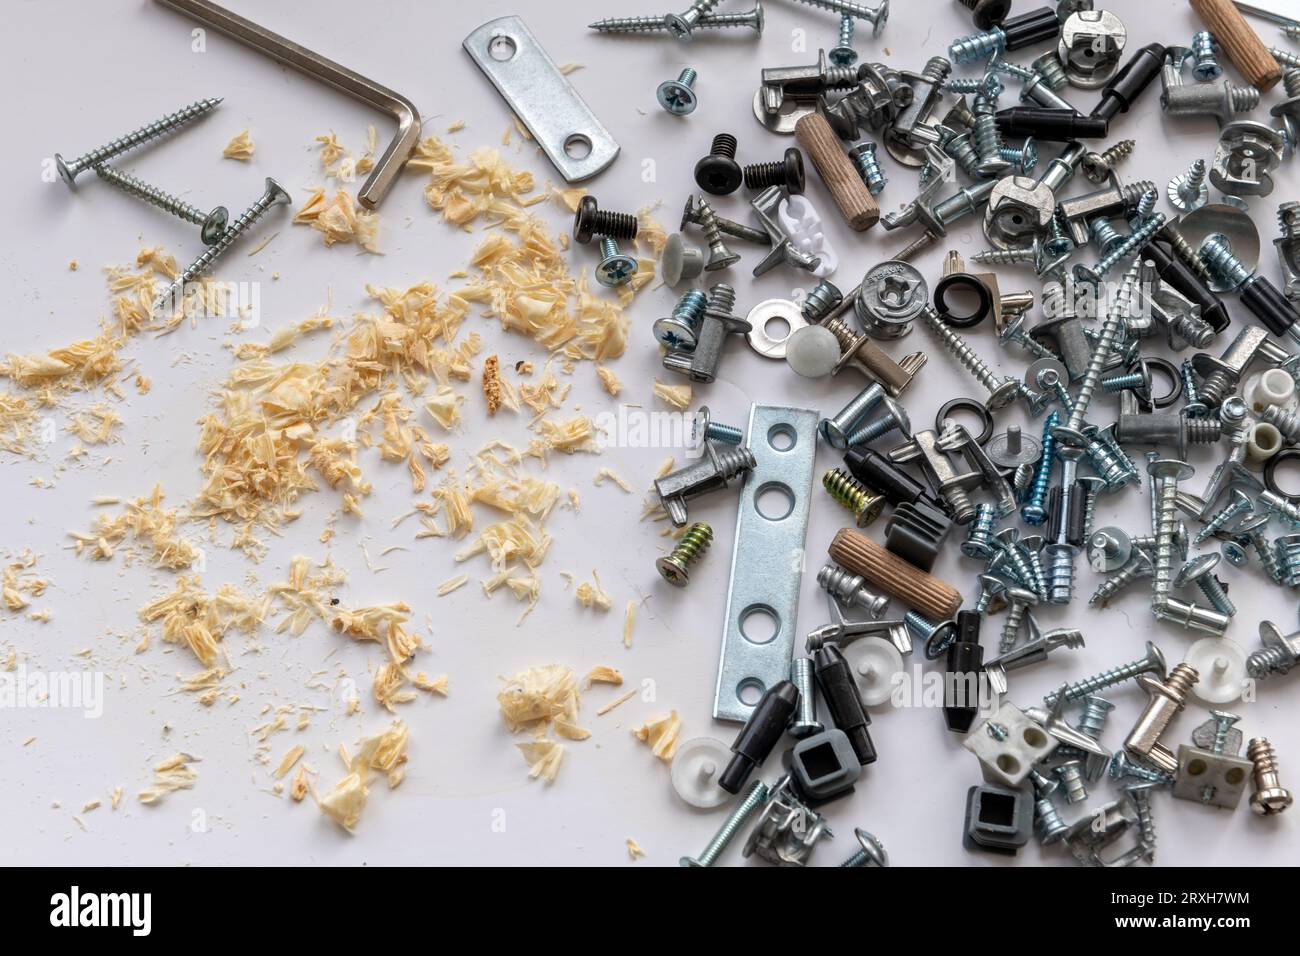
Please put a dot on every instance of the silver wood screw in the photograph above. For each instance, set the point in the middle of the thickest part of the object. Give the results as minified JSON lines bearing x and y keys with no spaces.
{"x":1002,"y":391}
{"x":1152,"y":663}
{"x":212,"y":224}
{"x":69,"y":170}
{"x":275,"y":195}
{"x":712,"y":21}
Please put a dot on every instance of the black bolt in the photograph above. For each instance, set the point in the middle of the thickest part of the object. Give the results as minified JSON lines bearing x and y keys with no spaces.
{"x":787,"y":173}
{"x":590,"y":221}
{"x":718,"y":173}
{"x":987,"y":13}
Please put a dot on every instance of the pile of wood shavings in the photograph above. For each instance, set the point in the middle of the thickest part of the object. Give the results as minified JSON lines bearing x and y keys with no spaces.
{"x":385,"y":753}
{"x":143,"y":522}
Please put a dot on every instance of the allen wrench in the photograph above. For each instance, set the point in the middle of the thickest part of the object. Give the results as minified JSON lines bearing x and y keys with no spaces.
{"x":355,"y":85}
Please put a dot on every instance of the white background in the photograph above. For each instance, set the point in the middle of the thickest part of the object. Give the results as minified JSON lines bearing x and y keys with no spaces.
{"x":82,"y":73}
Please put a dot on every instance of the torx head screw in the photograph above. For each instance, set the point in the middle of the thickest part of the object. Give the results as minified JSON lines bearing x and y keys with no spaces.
{"x":718,"y":173}
{"x":787,"y":173}
{"x":1270,"y":797}
{"x":871,"y":851}
{"x":677,"y":96}
{"x":750,"y":804}
{"x":69,"y":170}
{"x":615,"y":268}
{"x":675,"y":567}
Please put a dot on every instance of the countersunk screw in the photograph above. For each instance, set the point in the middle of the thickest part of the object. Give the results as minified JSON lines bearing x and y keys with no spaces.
{"x":69,"y":170}
{"x":213,"y":223}
{"x":1121,"y":766}
{"x":678,"y":96}
{"x":675,"y":567}
{"x":871,"y":851}
{"x":1098,"y":167}
{"x":615,"y":268}
{"x":876,"y":17}
{"x":894,"y":419}
{"x":1140,"y":237}
{"x":691,"y":214}
{"x":682,"y":24}
{"x":718,"y":173}
{"x":837,"y":429}
{"x":591,"y":221}
{"x":1095,"y":711}
{"x":1071,"y":433}
{"x":864,"y":159}
{"x":720,"y":257}
{"x":679,"y":330}
{"x":1002,"y":391}
{"x":1165,"y":473}
{"x":843,"y":54}
{"x":1238,"y":505}
{"x":1152,"y":663}
{"x":1223,"y":722}
{"x":1189,"y":191}
{"x":275,"y":195}
{"x":1034,"y":511}
{"x":788,"y":173}
{"x":755,"y":796}
{"x":1140,"y":794}
{"x":1138,"y":566}
{"x":710,"y":21}
{"x":1270,"y":797}
{"x":864,"y":503}
{"x":1207,"y":67}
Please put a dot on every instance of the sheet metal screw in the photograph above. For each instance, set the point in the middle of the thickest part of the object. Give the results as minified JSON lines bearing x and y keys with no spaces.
{"x":1152,"y":663}
{"x":675,"y":567}
{"x":1278,"y":655}
{"x":861,"y":501}
{"x":275,"y":195}
{"x":1002,"y":391}
{"x":1138,"y":566}
{"x":1122,"y":766}
{"x":1166,"y":474}
{"x":1188,"y":191}
{"x":615,"y":268}
{"x":805,"y":722}
{"x":1238,"y":505}
{"x":682,"y":24}
{"x":1207,"y":67}
{"x":1140,"y":794}
{"x":755,"y":796}
{"x":1098,"y":167}
{"x":876,"y":17}
{"x":871,"y":851}
{"x":1071,"y":432}
{"x":1140,"y":237}
{"x":678,"y":96}
{"x":720,"y":257}
{"x":679,"y":330}
{"x":1034,"y":511}
{"x":69,"y":170}
{"x":212,"y":224}
{"x":1270,"y":797}
{"x":703,"y":427}
{"x":843,"y":54}
{"x":591,"y":221}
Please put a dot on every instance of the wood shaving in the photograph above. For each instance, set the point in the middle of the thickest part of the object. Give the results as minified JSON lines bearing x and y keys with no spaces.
{"x":608,"y":380}
{"x":301,"y":786}
{"x":288,"y":760}
{"x":451,"y":584}
{"x":616,"y":702}
{"x":171,"y":775}
{"x":591,"y":594}
{"x":19,"y":585}
{"x":385,"y":753}
{"x":662,"y":735}
{"x":240,"y":148}
{"x":150,"y":528}
{"x":677,"y":396}
{"x":199,"y":621}
{"x":492,"y":383}
{"x":602,"y":675}
{"x":634,"y":851}
{"x":543,"y":758}
{"x":533,"y":698}
{"x":339,"y":220}
{"x":629,"y":619}
{"x":609,"y":473}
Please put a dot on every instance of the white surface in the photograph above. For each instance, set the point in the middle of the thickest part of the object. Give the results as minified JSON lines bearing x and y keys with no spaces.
{"x":82,"y":73}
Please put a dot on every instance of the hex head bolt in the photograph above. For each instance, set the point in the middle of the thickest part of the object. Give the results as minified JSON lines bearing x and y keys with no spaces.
{"x":1270,"y":797}
{"x":837,"y":429}
{"x":1152,"y":663}
{"x":69,"y":170}
{"x":275,"y":195}
{"x":750,"y":804}
{"x":870,"y":852}
{"x":212,"y":224}
{"x":752,"y":18}
{"x":840,"y":692}
{"x":1278,"y":653}
{"x":675,"y":567}
{"x":615,"y":268}
{"x":1002,"y":391}
{"x":788,"y":173}
{"x":590,"y":221}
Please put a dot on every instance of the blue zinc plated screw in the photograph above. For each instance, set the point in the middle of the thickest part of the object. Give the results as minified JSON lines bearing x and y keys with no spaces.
{"x":679,"y":330}
{"x":678,"y":96}
{"x":843,"y":53}
{"x":1034,"y":511}
{"x":275,"y":195}
{"x":615,"y":268}
{"x":1152,"y":663}
{"x":212,"y":224}
{"x":1207,"y":66}
{"x":868,"y":166}
{"x":754,"y":798}
{"x":980,"y":46}
{"x":69,"y":170}
{"x":871,"y":851}
{"x":1140,"y":237}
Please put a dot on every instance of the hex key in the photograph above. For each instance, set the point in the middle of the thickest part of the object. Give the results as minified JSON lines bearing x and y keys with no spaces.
{"x":341,"y":78}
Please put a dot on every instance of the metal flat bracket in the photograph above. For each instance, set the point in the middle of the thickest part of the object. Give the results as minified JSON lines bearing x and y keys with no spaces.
{"x":542,"y":97}
{"x":768,"y":558}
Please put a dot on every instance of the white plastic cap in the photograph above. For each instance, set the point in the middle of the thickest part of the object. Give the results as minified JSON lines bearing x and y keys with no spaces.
{"x":812,"y":351}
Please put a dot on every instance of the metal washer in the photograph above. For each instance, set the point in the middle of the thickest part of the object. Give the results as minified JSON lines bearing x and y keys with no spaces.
{"x":770,"y":310}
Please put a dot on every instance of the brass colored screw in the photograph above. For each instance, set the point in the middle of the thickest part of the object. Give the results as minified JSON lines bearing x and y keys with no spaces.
{"x":1270,"y":796}
{"x":853,"y":495}
{"x":675,"y":567}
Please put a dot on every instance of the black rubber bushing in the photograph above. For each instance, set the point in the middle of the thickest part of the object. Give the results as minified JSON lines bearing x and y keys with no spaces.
{"x":978,"y":409}
{"x":1170,"y":371}
{"x":1270,"y":472}
{"x":967,"y":283}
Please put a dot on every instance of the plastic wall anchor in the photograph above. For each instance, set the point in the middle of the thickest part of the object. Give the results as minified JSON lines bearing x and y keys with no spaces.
{"x":1222,"y":665}
{"x":874,"y":663}
{"x":803,"y":224}
{"x":1272,"y":387}
{"x":1263,"y":443}
{"x":695,"y":770}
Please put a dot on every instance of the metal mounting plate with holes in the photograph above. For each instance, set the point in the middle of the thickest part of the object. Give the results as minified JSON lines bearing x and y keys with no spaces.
{"x":543,"y":99}
{"x":766,"y":562}
{"x":774,"y":311}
